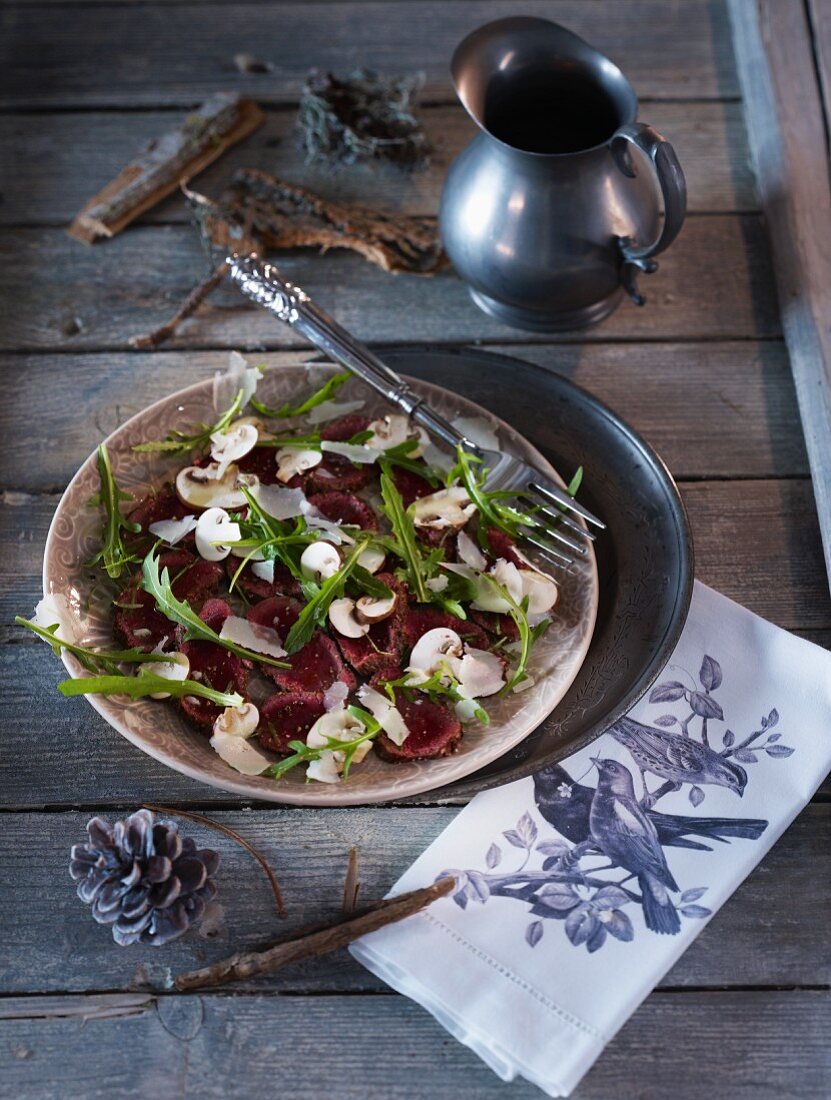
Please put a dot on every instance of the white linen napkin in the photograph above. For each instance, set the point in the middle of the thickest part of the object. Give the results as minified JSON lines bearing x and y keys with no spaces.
{"x":517,"y":965}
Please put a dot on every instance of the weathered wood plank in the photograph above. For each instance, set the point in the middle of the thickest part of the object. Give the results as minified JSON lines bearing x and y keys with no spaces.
{"x":788,"y":136}
{"x":727,"y":518}
{"x":58,"y":948}
{"x":715,"y":282}
{"x":820,"y":30}
{"x":758,"y":543}
{"x":373,"y":1046}
{"x":755,"y":541}
{"x":84,"y":150}
{"x":163,"y":55}
{"x":751,"y":426}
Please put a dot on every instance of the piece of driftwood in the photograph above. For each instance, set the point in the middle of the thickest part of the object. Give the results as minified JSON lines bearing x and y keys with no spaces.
{"x":314,"y":940}
{"x":284,"y":215}
{"x":783,"y":108}
{"x":260,"y":213}
{"x":157,"y":171}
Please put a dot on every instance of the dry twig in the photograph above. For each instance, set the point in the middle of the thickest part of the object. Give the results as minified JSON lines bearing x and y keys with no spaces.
{"x":220,"y":828}
{"x":314,"y":940}
{"x":190,"y":305}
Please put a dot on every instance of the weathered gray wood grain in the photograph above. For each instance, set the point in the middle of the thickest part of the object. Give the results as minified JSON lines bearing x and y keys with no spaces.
{"x":720,"y":410}
{"x":788,"y":136}
{"x":756,"y":541}
{"x":160,"y":54}
{"x":85,"y":150}
{"x":820,"y":30}
{"x":79,"y":760}
{"x":715,"y":282}
{"x":759,"y":937}
{"x":750,"y":1046}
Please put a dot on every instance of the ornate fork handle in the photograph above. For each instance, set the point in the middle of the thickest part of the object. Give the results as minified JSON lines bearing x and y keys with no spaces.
{"x":265,"y":285}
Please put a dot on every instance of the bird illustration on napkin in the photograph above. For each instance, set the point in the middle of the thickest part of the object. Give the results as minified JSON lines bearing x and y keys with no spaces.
{"x":564,"y":877}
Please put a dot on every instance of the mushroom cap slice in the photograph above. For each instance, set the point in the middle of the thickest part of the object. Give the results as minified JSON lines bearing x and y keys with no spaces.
{"x":368,"y":609}
{"x":320,"y":560}
{"x":339,"y":725}
{"x":437,"y":648}
{"x":201,"y":487}
{"x":175,"y":669}
{"x":233,"y":444}
{"x":394,"y":429}
{"x":343,"y":617}
{"x":238,"y":721}
{"x":212,"y":527}
{"x":447,"y":508}
{"x":295,"y":460}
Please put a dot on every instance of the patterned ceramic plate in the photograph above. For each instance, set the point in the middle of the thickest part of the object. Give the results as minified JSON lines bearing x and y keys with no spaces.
{"x":159,"y":729}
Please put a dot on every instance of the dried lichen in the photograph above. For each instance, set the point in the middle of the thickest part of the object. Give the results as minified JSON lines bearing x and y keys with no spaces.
{"x":363,"y":117}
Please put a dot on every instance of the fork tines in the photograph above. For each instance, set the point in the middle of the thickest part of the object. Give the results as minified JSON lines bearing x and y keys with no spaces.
{"x":553,"y":509}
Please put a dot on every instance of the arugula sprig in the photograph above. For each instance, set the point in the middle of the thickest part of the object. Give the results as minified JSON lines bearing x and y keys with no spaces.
{"x":305,"y":754}
{"x":442,"y":684}
{"x":275,"y":539}
{"x":528,"y":634}
{"x":93,"y":660}
{"x":179,"y":611}
{"x":491,"y":506}
{"x":178,"y":443}
{"x":319,"y":598}
{"x":310,"y":441}
{"x":404,"y":542}
{"x":107,"y":678}
{"x":113,"y":555}
{"x":327,"y":391}
{"x":401,"y":455}
{"x":147,"y":684}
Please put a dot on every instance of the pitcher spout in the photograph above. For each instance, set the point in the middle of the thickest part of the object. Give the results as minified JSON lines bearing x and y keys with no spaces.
{"x":539,"y":88}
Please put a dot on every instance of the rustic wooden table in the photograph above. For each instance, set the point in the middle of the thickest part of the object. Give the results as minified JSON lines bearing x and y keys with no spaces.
{"x":702,"y":371}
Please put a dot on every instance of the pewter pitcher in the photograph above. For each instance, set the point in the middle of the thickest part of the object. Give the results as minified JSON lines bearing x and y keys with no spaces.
{"x":555,"y":207}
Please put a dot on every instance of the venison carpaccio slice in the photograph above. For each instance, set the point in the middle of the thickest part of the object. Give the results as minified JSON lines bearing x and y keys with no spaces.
{"x":346,"y":509}
{"x":434,"y":729}
{"x":137,"y":622}
{"x":213,"y":665}
{"x":384,"y":644}
{"x":288,"y":716}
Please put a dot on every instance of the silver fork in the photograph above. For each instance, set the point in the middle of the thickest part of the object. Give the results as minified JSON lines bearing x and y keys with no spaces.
{"x":549,"y":522}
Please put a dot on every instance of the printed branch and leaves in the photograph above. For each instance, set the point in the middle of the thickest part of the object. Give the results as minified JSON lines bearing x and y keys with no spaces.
{"x":575,"y":883}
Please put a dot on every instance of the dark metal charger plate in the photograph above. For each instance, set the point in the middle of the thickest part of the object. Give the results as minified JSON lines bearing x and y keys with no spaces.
{"x":644,"y":558}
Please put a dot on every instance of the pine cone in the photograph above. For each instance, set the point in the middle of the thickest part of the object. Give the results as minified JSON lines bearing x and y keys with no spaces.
{"x":143,"y":878}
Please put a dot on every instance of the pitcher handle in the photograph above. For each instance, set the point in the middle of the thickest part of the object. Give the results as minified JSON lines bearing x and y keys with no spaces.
{"x":637,"y":257}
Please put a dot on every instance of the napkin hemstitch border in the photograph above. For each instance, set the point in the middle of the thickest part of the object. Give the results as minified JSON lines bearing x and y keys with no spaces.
{"x":522,"y":983}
